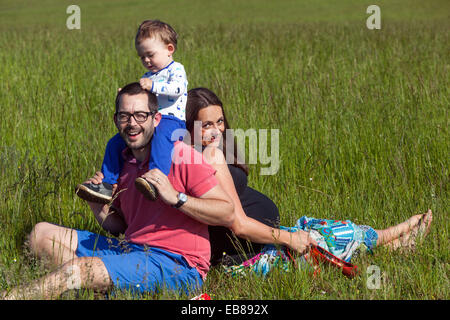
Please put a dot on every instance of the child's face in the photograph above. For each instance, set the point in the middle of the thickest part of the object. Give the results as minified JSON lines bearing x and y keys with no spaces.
{"x":155,"y":54}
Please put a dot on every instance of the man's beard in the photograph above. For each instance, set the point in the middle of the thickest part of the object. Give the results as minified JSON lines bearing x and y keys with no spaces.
{"x":145,"y":138}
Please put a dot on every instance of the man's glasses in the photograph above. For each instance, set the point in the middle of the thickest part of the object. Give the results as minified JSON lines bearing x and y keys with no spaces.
{"x":140,"y":117}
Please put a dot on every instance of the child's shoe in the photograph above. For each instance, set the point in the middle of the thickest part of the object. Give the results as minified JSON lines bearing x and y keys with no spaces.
{"x":99,"y":193}
{"x":146,"y":188}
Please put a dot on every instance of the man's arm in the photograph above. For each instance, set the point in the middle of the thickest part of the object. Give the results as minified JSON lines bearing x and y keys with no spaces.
{"x":109,"y":218}
{"x":214,"y":207}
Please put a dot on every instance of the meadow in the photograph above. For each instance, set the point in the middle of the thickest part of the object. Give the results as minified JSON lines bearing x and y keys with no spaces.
{"x":362,"y":117}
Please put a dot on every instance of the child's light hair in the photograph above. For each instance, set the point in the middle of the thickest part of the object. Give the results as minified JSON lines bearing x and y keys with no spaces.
{"x":155,"y":28}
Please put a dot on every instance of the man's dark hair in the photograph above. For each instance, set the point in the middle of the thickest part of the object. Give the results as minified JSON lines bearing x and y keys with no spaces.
{"x":135,"y":88}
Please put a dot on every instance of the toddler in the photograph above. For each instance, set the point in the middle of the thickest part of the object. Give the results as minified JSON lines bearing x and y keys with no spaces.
{"x":155,"y":42}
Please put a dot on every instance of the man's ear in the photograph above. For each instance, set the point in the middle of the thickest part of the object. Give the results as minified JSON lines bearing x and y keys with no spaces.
{"x":115,"y":121}
{"x":157,"y":119}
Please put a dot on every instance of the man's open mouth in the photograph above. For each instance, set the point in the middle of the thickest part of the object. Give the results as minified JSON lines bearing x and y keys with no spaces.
{"x":133,"y":134}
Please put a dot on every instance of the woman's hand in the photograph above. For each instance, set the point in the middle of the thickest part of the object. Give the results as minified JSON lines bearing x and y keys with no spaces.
{"x":301,"y":242}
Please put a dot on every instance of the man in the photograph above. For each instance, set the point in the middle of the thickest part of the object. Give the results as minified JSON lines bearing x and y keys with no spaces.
{"x":166,"y":241}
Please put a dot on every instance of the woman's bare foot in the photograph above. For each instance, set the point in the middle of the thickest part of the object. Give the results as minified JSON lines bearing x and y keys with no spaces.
{"x":418,"y":231}
{"x":424,"y":227}
{"x":393,"y":233}
{"x":405,"y":242}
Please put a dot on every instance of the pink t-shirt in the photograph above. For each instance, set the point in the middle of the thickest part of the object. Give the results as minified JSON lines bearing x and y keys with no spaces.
{"x":157,"y":224}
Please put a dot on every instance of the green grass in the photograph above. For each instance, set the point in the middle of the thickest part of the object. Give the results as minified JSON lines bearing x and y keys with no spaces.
{"x":363,"y":118}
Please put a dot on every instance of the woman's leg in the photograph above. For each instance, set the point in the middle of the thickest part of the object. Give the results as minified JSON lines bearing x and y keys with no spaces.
{"x":405,"y":233}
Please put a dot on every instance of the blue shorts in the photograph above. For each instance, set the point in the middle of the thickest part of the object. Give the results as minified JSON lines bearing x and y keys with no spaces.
{"x":139,"y":268}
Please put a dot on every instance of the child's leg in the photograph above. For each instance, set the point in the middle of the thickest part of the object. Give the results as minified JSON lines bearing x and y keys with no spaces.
{"x":113,"y":161}
{"x":112,"y":164}
{"x":161,"y":152}
{"x":404,"y":234}
{"x":163,"y":143}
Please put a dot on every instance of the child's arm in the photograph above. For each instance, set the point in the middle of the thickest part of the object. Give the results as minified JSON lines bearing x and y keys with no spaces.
{"x":175,"y":86}
{"x":146,"y":83}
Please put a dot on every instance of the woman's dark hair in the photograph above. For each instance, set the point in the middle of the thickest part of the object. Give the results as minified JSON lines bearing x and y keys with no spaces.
{"x":200,"y":98}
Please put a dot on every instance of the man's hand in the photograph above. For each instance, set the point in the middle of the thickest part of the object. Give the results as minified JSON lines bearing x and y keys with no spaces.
{"x":97,"y":207}
{"x":301,"y":242}
{"x":109,"y":219}
{"x":98,"y":178}
{"x":146,"y":83}
{"x":166,"y":191}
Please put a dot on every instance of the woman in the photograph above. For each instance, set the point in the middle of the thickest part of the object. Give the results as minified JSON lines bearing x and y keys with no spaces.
{"x":256,"y":216}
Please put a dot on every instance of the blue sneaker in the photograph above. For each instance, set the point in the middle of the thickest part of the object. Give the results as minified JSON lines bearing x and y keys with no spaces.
{"x":99,"y":193}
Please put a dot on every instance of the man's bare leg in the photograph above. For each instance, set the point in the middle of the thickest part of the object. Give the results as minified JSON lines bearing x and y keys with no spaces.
{"x":53,"y":242}
{"x":404,"y":234}
{"x":84,"y":272}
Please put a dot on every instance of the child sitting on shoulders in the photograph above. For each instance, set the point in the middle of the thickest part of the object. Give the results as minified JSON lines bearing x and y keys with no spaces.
{"x":155,"y":42}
